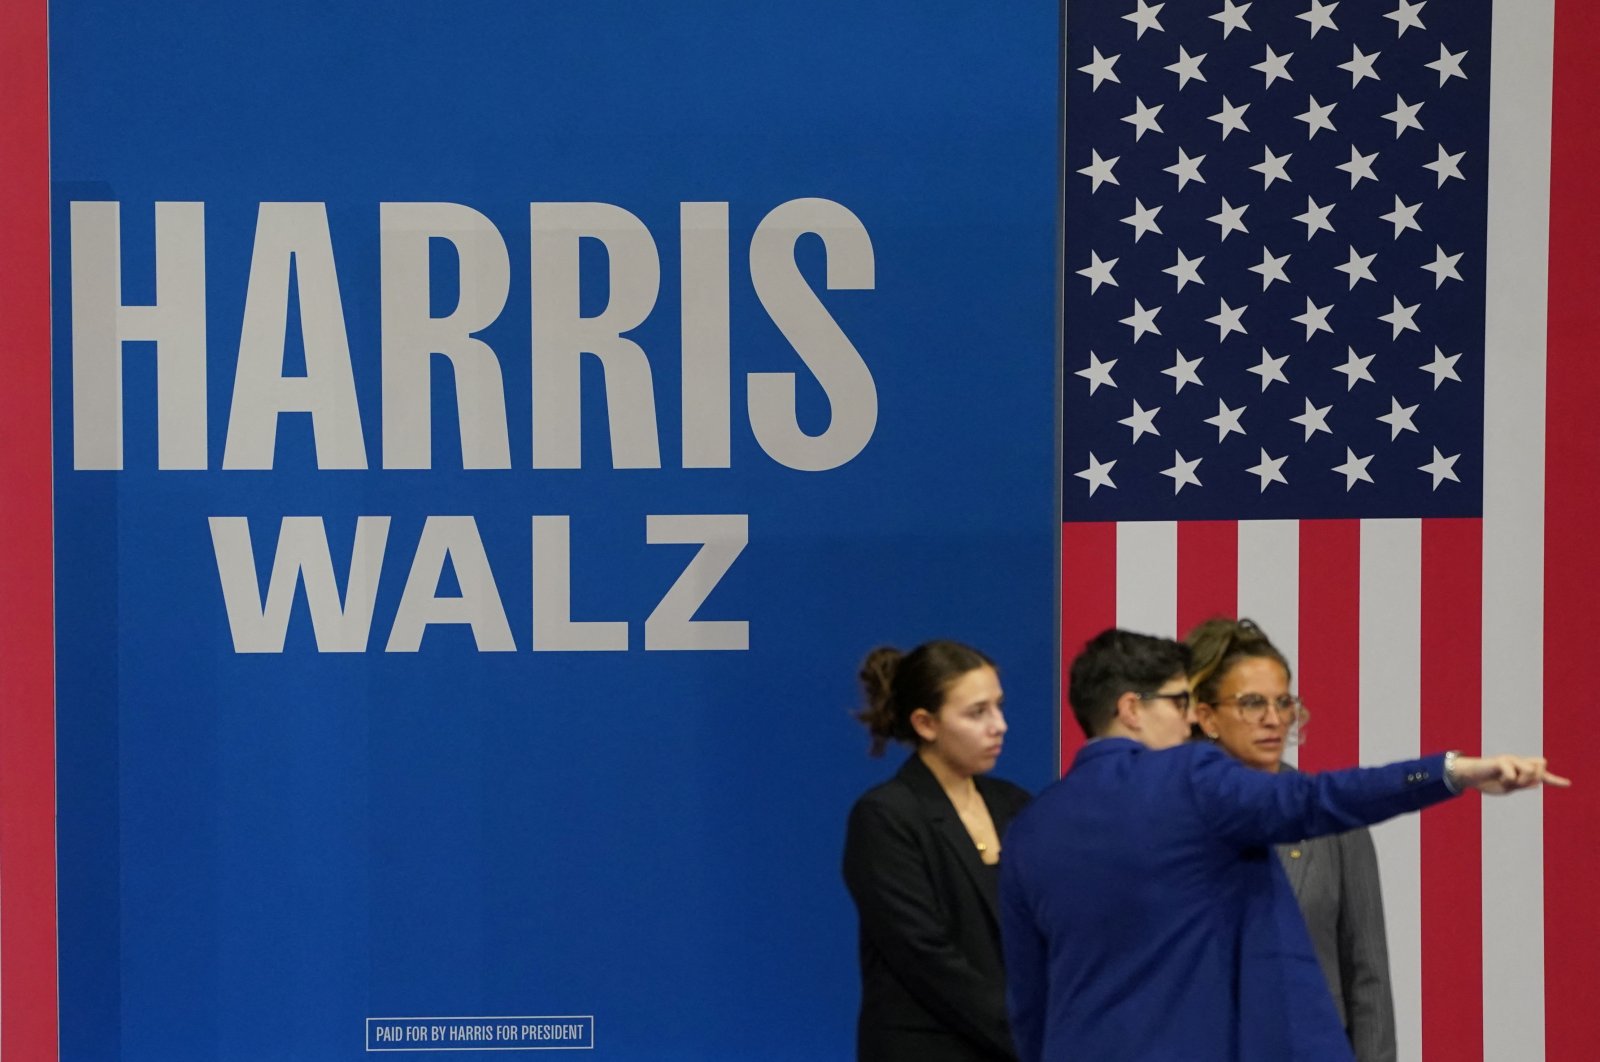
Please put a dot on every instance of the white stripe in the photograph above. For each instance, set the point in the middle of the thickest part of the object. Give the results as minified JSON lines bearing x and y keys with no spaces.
{"x":1269,"y":586}
{"x":1513,"y":518}
{"x":1147,"y":577}
{"x":1389,"y":689}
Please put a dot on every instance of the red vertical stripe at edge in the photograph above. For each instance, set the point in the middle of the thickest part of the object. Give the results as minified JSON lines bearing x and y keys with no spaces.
{"x":1452,"y":840}
{"x":1208,"y":571}
{"x":1572,"y":564}
{"x":1330,"y":642}
{"x":27,"y":748}
{"x":1088,"y":606}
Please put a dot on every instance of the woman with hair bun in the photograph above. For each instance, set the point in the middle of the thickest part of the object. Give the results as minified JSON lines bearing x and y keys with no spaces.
{"x":1240,"y":683}
{"x":922,"y":860}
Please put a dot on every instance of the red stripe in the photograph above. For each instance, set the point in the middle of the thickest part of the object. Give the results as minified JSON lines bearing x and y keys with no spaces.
{"x":27,"y":750}
{"x":1208,"y":571}
{"x":1088,"y":606}
{"x":1572,"y":565}
{"x":1330,"y":641}
{"x":1452,"y":890}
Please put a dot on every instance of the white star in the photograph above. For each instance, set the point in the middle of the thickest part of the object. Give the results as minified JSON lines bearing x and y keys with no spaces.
{"x":1182,"y":472}
{"x":1402,"y":217}
{"x":1143,"y":119}
{"x":1360,"y":65}
{"x":1226,"y":420}
{"x":1275,"y":66}
{"x":1271,"y":167}
{"x":1227,"y":319}
{"x":1101,"y":70}
{"x":1142,"y":320}
{"x":1232,"y":17}
{"x":1186,"y":169}
{"x":1400,"y":318}
{"x":1314,"y":419}
{"x":1270,"y":370}
{"x":1320,"y":16}
{"x":1355,"y":368}
{"x":1354,"y":468}
{"x":1448,"y":64}
{"x":1443,"y":266}
{"x":1188,"y":67}
{"x":1099,"y":171}
{"x":1099,"y":272}
{"x":1359,"y":166}
{"x":1404,"y":115}
{"x":1359,"y":267}
{"x":1141,"y":420}
{"x":1315,"y":318}
{"x":1098,"y":373}
{"x":1230,"y":218}
{"x":1442,"y":368}
{"x":1441,"y":468}
{"x":1316,"y":116}
{"x":1145,"y":18}
{"x":1315,"y":217}
{"x":1143,"y":220}
{"x":1271,"y":268}
{"x":1098,"y":474}
{"x":1398,"y":418}
{"x":1183,"y":372}
{"x":1270,"y":469}
{"x":1446,"y":165}
{"x":1231,"y":118}
{"x":1186,"y":270}
{"x":1407,"y":16}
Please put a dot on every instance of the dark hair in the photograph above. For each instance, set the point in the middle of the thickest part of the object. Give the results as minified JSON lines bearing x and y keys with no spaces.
{"x":1217,"y":645}
{"x":897,"y":684}
{"x":1115,"y":662}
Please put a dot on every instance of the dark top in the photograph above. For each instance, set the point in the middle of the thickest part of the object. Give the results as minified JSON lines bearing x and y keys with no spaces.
{"x":932,"y":981}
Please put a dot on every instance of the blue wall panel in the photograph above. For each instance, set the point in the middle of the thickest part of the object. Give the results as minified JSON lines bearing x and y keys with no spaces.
{"x":260,"y":851}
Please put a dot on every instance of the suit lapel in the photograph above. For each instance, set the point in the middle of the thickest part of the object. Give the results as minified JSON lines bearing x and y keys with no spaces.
{"x":1296,"y":860}
{"x":946,"y":824}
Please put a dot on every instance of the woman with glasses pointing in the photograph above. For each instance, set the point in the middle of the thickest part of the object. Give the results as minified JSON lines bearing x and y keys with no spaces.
{"x":1243,"y":703}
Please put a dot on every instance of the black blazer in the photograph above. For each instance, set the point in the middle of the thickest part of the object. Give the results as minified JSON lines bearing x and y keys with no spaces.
{"x":932,"y":981}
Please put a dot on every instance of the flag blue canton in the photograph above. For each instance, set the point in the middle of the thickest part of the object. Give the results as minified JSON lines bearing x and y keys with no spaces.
{"x":1275,"y":244}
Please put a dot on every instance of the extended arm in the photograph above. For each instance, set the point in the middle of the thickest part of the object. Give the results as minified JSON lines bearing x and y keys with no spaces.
{"x":1255,"y":808}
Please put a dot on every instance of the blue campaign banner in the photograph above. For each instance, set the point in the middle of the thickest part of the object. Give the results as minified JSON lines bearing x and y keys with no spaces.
{"x":488,"y":436}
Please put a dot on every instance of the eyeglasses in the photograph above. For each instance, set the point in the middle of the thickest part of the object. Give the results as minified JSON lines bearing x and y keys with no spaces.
{"x":1180,"y":700}
{"x":1253,"y":707}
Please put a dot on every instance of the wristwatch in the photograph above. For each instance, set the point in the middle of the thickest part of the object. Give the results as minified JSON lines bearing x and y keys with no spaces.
{"x":1450,"y":778}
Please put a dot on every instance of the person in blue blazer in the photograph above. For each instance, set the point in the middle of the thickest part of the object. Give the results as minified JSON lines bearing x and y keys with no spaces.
{"x":1144,"y":915}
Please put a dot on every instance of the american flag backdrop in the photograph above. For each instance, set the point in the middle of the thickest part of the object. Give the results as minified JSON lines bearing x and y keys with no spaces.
{"x":1326,"y":365}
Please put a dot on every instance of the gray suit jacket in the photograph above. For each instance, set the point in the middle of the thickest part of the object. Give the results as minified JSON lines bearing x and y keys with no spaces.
{"x":1335,"y":879}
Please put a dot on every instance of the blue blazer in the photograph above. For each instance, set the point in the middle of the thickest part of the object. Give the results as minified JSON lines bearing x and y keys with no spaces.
{"x":1146,"y":918}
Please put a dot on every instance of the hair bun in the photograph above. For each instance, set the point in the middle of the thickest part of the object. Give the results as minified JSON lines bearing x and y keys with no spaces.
{"x":877,"y":683}
{"x":897,"y":684}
